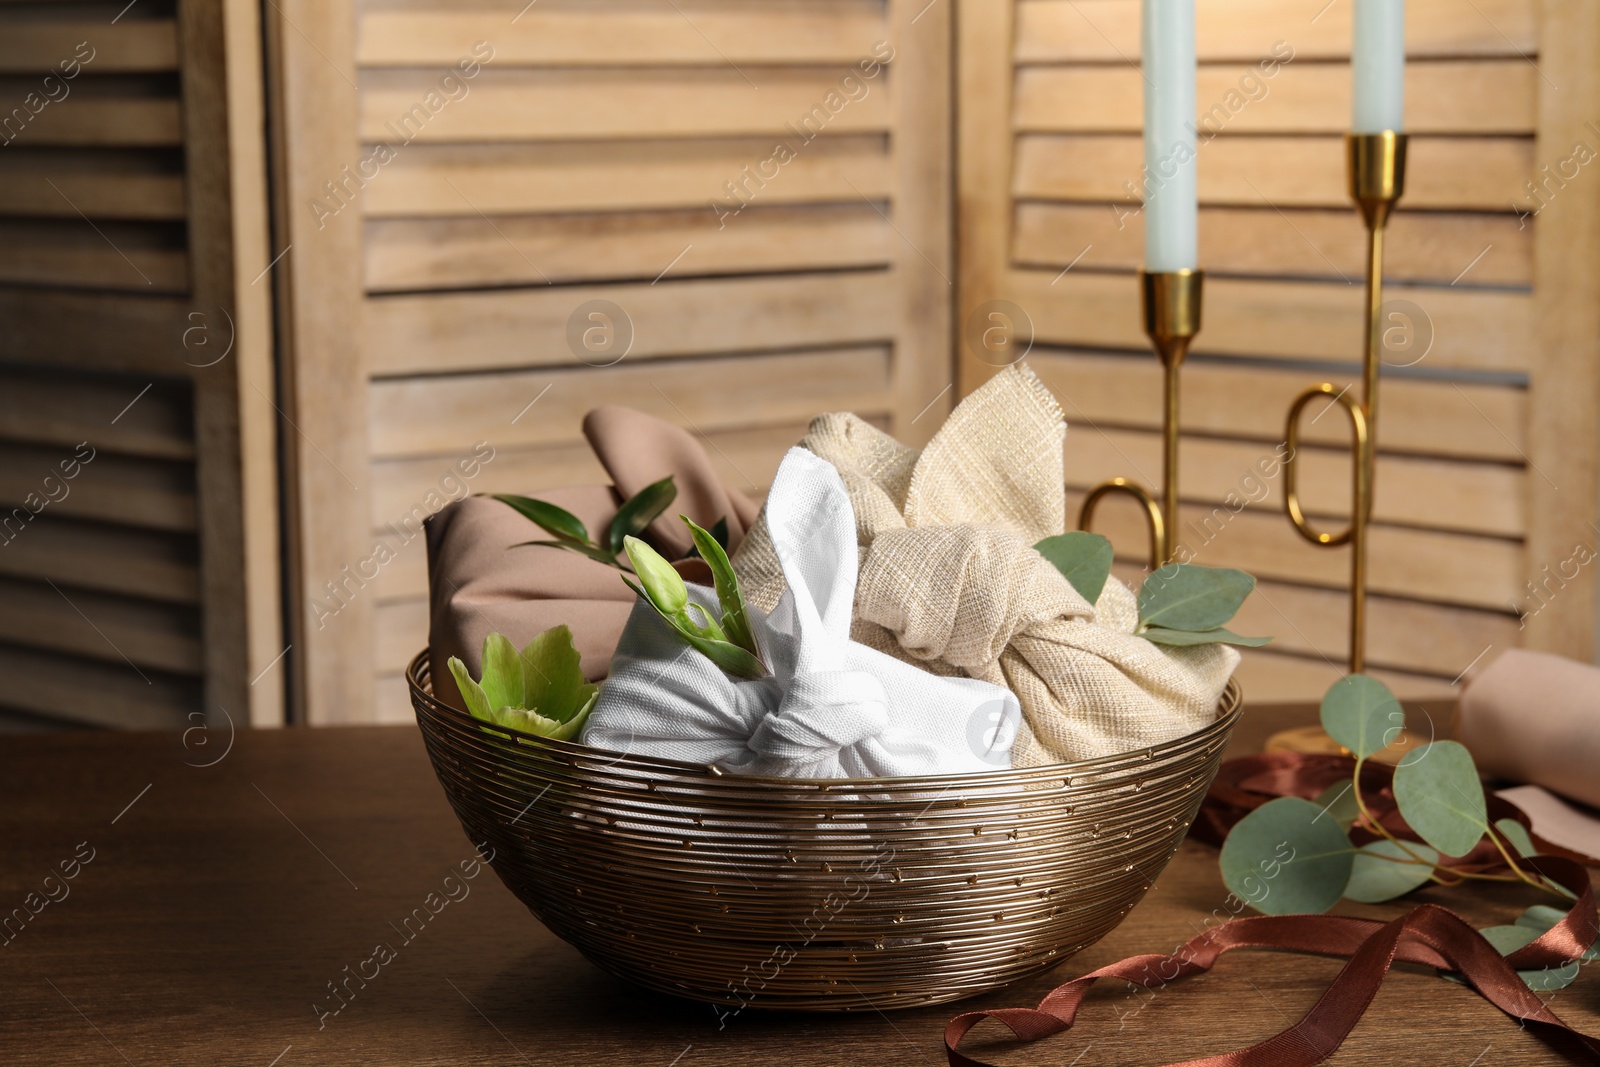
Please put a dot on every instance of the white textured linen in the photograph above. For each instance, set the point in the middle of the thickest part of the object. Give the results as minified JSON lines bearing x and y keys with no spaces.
{"x":833,"y":708}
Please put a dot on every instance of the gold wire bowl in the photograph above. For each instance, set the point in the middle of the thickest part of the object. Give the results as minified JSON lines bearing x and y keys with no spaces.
{"x":818,"y":895}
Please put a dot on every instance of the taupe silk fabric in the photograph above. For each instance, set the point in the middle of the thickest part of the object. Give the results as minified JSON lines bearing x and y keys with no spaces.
{"x":950,"y":580}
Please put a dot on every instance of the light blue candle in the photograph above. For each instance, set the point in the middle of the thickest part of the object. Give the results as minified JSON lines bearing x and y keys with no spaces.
{"x":1378,"y":66}
{"x":1171,"y":214}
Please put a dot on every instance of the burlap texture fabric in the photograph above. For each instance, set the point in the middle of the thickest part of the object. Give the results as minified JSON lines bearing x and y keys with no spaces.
{"x":949,"y":578}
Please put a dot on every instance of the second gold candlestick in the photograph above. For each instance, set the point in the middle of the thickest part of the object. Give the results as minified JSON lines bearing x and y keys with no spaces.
{"x":1171,"y":302}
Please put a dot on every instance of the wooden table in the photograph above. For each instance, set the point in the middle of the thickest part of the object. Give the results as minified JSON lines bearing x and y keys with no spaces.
{"x":221,"y":900}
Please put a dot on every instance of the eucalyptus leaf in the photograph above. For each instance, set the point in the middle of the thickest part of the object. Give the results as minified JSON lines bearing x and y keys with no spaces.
{"x":639,"y":511}
{"x":1183,"y":596}
{"x":1547,"y":979}
{"x":558,"y":521}
{"x":1220,"y":636}
{"x":1508,"y":939}
{"x":1338,"y":802}
{"x":1517,"y":834}
{"x":1360,"y":713}
{"x":1083,"y":558}
{"x":734,"y":620}
{"x":1383,"y":871}
{"x":1542,"y":917}
{"x":1284,"y":859}
{"x":1440,"y":797}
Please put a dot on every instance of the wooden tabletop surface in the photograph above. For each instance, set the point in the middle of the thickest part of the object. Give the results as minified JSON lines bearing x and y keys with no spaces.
{"x":209,"y":907}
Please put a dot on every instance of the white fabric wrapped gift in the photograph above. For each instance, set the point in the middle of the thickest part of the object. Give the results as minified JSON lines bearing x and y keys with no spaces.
{"x":832,"y":708}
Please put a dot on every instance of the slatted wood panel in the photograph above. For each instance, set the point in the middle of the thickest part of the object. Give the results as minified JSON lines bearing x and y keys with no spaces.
{"x":130,"y":594}
{"x":621,"y":151}
{"x":1467,"y":506}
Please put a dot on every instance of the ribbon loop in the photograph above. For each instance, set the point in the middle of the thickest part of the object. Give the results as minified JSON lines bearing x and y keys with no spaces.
{"x":1427,"y":935}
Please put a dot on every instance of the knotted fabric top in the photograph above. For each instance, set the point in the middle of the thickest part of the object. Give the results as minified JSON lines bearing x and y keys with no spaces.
{"x":950,"y":580}
{"x":832,"y":708}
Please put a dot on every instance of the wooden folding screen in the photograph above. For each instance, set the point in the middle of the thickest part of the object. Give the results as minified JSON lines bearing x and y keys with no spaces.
{"x":1486,"y":486}
{"x":138,"y":523}
{"x":734,"y":215}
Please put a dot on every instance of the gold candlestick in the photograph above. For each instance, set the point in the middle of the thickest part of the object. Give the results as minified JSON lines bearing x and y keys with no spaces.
{"x":1171,"y":301}
{"x":1377,"y":176}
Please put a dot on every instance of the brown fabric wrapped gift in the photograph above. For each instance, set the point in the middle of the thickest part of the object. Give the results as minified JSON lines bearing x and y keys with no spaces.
{"x":478,"y":582}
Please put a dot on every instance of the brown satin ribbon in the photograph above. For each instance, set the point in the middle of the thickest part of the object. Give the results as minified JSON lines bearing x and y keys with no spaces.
{"x":1427,"y":935}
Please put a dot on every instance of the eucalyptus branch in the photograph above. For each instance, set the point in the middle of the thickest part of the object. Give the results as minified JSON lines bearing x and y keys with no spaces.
{"x":1373,"y":823}
{"x":1180,"y":605}
{"x":1312,"y":862}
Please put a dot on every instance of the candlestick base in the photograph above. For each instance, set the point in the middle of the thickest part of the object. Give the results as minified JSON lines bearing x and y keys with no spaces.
{"x":1312,"y":740}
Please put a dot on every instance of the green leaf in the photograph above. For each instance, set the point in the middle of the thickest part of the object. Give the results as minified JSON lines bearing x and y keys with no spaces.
{"x":1508,"y":939}
{"x":1514,"y":832}
{"x":552,"y":676}
{"x":640,"y":511}
{"x":663,"y":586}
{"x":1338,"y":803}
{"x":734,"y":620}
{"x":732,"y":659}
{"x":558,"y":521}
{"x":599,"y":555}
{"x":1220,"y":636}
{"x":531,"y":722}
{"x":1374,"y":878}
{"x":540,"y":690}
{"x":1083,"y":558}
{"x":1182,"y":596}
{"x":471,"y":692}
{"x":1361,"y":714}
{"x":1284,"y":859}
{"x":719,"y":533}
{"x":1439,"y":795}
{"x":702,"y":623}
{"x":502,"y":673}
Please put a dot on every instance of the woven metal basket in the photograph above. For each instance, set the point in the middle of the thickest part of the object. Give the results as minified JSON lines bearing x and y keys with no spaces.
{"x":832,"y":895}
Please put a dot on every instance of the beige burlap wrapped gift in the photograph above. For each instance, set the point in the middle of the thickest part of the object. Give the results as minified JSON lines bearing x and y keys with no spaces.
{"x":949,"y":578}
